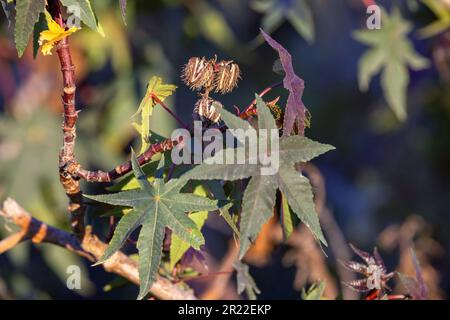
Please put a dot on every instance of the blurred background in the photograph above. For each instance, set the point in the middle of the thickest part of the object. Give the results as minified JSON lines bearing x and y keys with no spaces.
{"x":386,"y":185}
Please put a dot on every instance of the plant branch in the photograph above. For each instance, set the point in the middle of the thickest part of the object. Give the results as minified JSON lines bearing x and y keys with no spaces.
{"x":123,"y":169}
{"x":162,"y":104}
{"x":67,"y":161}
{"x":91,"y":248}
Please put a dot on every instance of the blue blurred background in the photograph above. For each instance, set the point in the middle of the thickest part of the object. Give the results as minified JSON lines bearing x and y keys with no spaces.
{"x":387,"y":183}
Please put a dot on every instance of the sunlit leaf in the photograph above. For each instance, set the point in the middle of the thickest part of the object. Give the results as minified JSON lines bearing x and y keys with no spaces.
{"x":441,"y":9}
{"x":259,"y":196}
{"x":157,"y":88}
{"x":155,"y":206}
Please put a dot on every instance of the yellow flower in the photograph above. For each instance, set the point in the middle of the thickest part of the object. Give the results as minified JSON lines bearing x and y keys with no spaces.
{"x":48,"y":38}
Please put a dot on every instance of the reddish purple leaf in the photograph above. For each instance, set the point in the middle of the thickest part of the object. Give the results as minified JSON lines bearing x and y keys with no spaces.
{"x":195,"y":259}
{"x":416,"y":286}
{"x":422,"y":292}
{"x":295,"y":109}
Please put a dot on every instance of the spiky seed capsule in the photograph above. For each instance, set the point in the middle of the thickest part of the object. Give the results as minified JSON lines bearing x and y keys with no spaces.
{"x":227,"y":76}
{"x":209,"y":109}
{"x":198,"y":73}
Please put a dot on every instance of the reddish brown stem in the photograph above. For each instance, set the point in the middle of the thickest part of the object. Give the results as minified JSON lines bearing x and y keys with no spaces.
{"x":208,"y":275}
{"x":154,"y":97}
{"x":67,"y":161}
{"x":123,"y":169}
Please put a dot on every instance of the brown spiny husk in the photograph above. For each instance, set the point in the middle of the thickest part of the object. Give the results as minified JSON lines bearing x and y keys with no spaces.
{"x":208,"y":108}
{"x":227,"y":76}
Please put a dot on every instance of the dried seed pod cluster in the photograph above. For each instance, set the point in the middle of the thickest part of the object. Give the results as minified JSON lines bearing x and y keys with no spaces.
{"x":210,"y":75}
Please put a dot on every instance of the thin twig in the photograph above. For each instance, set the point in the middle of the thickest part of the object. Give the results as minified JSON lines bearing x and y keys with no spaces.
{"x":123,"y":169}
{"x":162,"y":104}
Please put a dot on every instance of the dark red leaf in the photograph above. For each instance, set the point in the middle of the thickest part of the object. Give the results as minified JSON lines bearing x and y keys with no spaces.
{"x":295,"y":112}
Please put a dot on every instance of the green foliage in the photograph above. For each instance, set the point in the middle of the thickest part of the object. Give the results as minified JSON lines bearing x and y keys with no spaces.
{"x":212,"y":24}
{"x":32,"y":137}
{"x":259,"y":196}
{"x":391,"y":53}
{"x":157,"y":88}
{"x":155,"y":207}
{"x":178,"y":246}
{"x":314,"y":292}
{"x":225,"y":213}
{"x":442,"y":12}
{"x":27,"y":14}
{"x":86,"y":12}
{"x":297,"y":12}
{"x":40,"y":26}
{"x":288,"y":219}
{"x":245,"y":281}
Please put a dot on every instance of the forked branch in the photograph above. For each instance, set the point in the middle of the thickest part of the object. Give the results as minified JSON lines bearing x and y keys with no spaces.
{"x":91,"y":248}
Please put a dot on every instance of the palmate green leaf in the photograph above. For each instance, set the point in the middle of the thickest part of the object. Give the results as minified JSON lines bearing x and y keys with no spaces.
{"x":259,"y":196}
{"x":155,"y":206}
{"x":391,"y":54}
{"x":245,"y":282}
{"x":157,"y":88}
{"x":86,"y":14}
{"x":27,"y":14}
